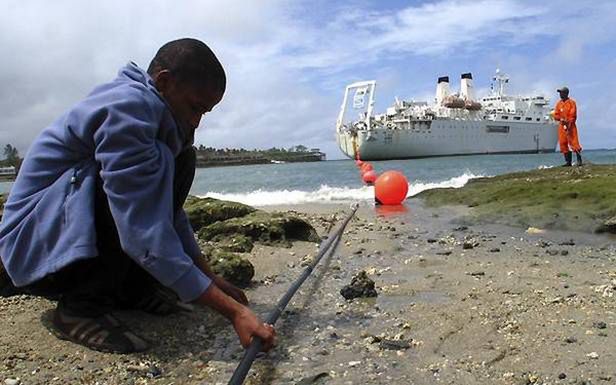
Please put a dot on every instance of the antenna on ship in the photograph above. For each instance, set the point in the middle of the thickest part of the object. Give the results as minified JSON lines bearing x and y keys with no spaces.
{"x":500,"y":80}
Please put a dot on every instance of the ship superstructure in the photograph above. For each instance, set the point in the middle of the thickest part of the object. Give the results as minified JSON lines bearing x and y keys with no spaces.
{"x":454,"y":124}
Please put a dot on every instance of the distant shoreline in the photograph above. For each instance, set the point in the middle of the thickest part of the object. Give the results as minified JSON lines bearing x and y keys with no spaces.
{"x":209,"y":163}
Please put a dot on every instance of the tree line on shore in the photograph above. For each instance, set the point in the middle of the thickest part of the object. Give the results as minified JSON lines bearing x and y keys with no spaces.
{"x":11,"y":157}
{"x":273,"y":153}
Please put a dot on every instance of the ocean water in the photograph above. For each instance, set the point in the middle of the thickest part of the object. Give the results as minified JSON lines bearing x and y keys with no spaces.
{"x":339,"y":181}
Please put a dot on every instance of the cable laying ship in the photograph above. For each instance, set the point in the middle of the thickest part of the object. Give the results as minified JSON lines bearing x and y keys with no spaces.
{"x":456,"y":124}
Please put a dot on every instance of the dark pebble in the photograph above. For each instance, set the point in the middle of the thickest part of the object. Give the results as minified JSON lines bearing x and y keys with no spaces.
{"x":460,"y":228}
{"x":599,"y":325}
{"x":562,"y":376}
{"x":570,"y":242}
{"x":495,"y":250}
{"x":564,"y":252}
{"x":360,"y":286}
{"x":316,"y":379}
{"x":432,"y":240}
{"x":443,"y":252}
{"x":570,"y":340}
{"x":154,"y":372}
{"x":394,"y":345}
{"x":544,"y":244}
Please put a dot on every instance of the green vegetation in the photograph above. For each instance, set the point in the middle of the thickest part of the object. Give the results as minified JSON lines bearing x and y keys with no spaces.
{"x":578,"y":198}
{"x":11,"y":157}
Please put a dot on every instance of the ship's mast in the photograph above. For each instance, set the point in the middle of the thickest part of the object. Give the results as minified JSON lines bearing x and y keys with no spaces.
{"x":500,"y":80}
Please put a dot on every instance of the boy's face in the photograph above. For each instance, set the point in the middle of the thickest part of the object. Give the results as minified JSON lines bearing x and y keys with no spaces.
{"x":188,"y":103}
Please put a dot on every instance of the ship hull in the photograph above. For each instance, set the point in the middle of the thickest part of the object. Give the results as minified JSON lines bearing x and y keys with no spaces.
{"x":421,"y":139}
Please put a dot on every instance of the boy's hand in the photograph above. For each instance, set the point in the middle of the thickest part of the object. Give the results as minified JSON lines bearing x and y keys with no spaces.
{"x":247,"y":325}
{"x":245,"y":322}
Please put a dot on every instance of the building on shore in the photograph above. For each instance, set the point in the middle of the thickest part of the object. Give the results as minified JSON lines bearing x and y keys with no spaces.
{"x":8,"y":172}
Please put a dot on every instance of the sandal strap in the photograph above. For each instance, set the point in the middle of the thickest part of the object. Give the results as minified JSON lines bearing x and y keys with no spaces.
{"x":104,"y":333}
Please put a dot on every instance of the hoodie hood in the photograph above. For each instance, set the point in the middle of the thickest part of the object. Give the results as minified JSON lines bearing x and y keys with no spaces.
{"x":133,"y":73}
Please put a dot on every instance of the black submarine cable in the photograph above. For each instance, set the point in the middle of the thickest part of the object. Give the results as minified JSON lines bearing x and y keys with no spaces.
{"x":255,"y":346}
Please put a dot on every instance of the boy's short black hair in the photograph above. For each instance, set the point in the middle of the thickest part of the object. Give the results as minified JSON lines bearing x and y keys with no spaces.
{"x":192,"y":62}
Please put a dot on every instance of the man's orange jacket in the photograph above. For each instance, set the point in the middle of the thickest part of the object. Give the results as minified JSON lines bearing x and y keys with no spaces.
{"x":567,"y":132}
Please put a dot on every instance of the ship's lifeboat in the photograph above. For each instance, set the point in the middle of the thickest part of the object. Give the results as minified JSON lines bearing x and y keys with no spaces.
{"x":453,"y":102}
{"x":472,"y":105}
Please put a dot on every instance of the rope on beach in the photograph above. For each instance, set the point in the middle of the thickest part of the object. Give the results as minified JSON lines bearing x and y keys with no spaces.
{"x":328,"y":245}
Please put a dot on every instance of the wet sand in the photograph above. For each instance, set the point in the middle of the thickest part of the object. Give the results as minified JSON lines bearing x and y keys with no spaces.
{"x":457,"y":304}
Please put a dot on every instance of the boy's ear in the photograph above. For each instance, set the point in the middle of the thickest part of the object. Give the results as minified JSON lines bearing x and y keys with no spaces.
{"x":161,"y":80}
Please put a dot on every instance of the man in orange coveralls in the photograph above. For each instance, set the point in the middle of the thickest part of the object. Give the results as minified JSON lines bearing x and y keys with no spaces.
{"x":565,"y":113}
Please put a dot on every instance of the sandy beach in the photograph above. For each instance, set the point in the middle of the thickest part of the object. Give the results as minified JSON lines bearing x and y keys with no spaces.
{"x":457,"y":304}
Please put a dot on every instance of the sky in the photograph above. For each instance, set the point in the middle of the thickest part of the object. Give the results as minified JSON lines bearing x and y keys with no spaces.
{"x":287,"y":62}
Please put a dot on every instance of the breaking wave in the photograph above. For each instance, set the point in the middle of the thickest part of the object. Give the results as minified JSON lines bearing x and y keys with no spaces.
{"x":327,"y":194}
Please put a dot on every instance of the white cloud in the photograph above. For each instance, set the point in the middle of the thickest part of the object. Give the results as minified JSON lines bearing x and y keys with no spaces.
{"x":287,"y":61}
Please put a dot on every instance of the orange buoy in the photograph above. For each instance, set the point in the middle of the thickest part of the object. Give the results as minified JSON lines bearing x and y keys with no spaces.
{"x":366,"y":167}
{"x":390,"y":188}
{"x":369,"y":177}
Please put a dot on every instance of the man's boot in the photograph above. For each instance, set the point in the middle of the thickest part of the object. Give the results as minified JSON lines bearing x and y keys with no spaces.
{"x":567,"y":159}
{"x":579,"y":158}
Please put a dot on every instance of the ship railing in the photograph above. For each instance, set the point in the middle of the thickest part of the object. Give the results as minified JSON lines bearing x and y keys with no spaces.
{"x":368,"y":88}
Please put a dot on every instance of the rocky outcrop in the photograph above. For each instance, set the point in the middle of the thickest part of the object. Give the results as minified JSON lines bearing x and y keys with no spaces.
{"x":205,"y":211}
{"x":275,"y":229}
{"x":227,"y":229}
{"x":231,"y":267}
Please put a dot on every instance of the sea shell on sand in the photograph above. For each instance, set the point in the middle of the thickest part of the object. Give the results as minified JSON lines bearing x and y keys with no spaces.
{"x":534,"y":230}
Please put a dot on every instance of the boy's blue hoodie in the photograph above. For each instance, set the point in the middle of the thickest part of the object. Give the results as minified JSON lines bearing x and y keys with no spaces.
{"x":124,"y":131}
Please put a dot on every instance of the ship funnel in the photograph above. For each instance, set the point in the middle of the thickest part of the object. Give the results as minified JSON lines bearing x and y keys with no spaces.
{"x":442,"y":89}
{"x":466,"y":87}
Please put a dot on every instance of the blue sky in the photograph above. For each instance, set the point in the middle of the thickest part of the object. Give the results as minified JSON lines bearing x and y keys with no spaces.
{"x":288,"y":61}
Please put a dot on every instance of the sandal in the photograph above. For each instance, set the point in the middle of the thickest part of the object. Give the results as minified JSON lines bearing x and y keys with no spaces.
{"x":105,"y":333}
